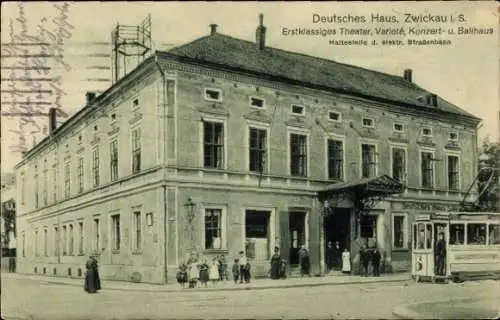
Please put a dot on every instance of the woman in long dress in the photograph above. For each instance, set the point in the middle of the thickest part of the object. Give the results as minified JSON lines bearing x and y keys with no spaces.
{"x":275,"y":264}
{"x":304,"y":261}
{"x":92,"y":282}
{"x":346,"y":261}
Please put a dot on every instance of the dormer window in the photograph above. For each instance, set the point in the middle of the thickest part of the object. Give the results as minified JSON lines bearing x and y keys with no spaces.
{"x":95,"y":128}
{"x":368,"y":123}
{"x":135,"y":103}
{"x":213,"y":95}
{"x":334,"y":116}
{"x":80,"y":138}
{"x":113,"y":116}
{"x":427,"y":132}
{"x":398,"y":127}
{"x":257,"y":102}
{"x":298,"y":110}
{"x":453,"y":136}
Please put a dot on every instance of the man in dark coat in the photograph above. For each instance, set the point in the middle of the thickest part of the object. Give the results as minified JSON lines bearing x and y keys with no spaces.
{"x":305,"y":263}
{"x":376,"y":257}
{"x":364,"y":256}
{"x":440,"y":255}
{"x":92,"y":280}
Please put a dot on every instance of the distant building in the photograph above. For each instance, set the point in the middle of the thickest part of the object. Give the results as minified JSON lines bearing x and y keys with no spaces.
{"x":222,"y":145}
{"x":8,"y":218}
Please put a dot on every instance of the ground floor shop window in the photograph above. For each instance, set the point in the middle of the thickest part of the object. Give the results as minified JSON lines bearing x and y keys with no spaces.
{"x":257,"y":234}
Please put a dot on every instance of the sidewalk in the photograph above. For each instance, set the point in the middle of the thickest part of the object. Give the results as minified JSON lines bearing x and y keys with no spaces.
{"x":256,"y":284}
{"x":472,"y":308}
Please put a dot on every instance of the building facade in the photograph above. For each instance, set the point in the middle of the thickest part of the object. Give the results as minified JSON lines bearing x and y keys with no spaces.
{"x":223,"y":145}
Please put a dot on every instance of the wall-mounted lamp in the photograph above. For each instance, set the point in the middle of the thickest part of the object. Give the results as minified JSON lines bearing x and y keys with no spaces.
{"x":190,"y":205}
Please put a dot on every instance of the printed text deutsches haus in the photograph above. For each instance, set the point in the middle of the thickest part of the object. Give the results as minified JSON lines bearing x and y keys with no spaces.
{"x":385,"y":18}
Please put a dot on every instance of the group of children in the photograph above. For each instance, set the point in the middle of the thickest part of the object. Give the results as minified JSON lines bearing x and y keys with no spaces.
{"x":198,"y":272}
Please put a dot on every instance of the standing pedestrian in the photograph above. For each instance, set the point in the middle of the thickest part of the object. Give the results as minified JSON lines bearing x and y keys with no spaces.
{"x":337,"y":254}
{"x":214,"y":275}
{"x":236,"y":270}
{"x":305,"y":262}
{"x":194,"y":273}
{"x":346,"y":261}
{"x":222,"y":268}
{"x":330,"y":256}
{"x":92,"y":282}
{"x":275,"y":264}
{"x":243,"y":266}
{"x":204,"y":276}
{"x":376,"y":257}
{"x":441,"y":255}
{"x":365,"y":261}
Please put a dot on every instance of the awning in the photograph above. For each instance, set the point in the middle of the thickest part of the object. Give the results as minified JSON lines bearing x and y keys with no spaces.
{"x":369,"y":187}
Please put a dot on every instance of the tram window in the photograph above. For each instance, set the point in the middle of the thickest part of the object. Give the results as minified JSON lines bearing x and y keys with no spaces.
{"x":476,"y":233}
{"x":428,"y":236}
{"x":457,"y":234}
{"x":494,"y":234}
{"x":421,"y":236}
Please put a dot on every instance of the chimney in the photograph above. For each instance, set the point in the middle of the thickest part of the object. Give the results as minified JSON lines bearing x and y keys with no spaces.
{"x":52,"y":120}
{"x":432,"y":100}
{"x":213,"y":28}
{"x":90,"y":96}
{"x":260,"y":34}
{"x":408,"y":75}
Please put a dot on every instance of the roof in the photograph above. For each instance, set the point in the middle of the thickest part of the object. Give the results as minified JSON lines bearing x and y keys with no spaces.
{"x":237,"y":53}
{"x":374,"y":186}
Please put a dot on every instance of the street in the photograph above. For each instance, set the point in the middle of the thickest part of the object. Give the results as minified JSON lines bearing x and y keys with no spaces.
{"x":29,"y":299}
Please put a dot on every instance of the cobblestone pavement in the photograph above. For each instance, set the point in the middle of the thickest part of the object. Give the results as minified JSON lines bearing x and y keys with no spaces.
{"x":31,"y":299}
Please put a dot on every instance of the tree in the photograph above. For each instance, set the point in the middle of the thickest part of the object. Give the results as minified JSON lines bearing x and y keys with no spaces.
{"x":488,"y":177}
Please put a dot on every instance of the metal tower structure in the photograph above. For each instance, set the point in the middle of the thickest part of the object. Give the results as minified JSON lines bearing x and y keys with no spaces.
{"x":130,"y":46}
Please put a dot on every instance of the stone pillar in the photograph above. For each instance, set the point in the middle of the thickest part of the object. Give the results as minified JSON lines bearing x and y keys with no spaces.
{"x":320,"y":210}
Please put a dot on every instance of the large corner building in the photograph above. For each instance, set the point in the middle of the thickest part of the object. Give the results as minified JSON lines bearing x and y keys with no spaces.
{"x":222,"y":145}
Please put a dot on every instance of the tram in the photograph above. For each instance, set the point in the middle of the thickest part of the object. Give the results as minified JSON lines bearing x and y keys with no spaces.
{"x":456,"y":246}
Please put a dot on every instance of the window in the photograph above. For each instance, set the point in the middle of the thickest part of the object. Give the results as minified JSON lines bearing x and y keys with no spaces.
{"x":44,"y":192}
{"x":136,"y":150}
{"x":399,"y":163}
{"x":335,"y":160}
{"x":45,"y":251}
{"x":453,"y":136}
{"x":71,"y":245}
{"x":423,"y":236}
{"x":298,"y":110}
{"x":298,"y":155}
{"x":138,"y":230}
{"x":399,"y":232}
{"x":97,"y":243}
{"x":398,"y":127}
{"x":67,"y":180}
{"x":213,"y":229}
{"x":427,"y":169}
{"x":80,"y":175}
{"x":453,"y":173}
{"x":257,"y":144}
{"x":368,"y":160}
{"x":80,"y":240}
{"x":23,"y":186}
{"x":213,"y":95}
{"x":24,"y":245}
{"x":113,"y":146}
{"x":257,"y":102}
{"x":56,"y":241}
{"x":56,"y":183}
{"x":334,"y":116}
{"x":457,"y":234}
{"x":149,"y":219}
{"x":36,"y":191}
{"x":135,"y":103}
{"x":427,"y":132}
{"x":65,"y":240}
{"x":113,"y":117}
{"x":368,"y":224}
{"x":476,"y":233}
{"x":36,"y":243}
{"x":368,"y":123}
{"x":170,"y":92}
{"x":213,"y":145}
{"x":115,"y":231}
{"x":494,"y":234}
{"x":95,"y":167}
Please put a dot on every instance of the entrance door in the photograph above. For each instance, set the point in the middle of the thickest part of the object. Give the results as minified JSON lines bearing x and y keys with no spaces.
{"x":297,"y":235}
{"x":337,"y":228}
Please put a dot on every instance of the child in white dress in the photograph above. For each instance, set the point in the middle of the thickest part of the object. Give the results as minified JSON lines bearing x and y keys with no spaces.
{"x":194,"y":273}
{"x":214,"y":272}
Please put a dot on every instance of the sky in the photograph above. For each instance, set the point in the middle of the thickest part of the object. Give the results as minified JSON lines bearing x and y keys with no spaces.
{"x":465,"y":73}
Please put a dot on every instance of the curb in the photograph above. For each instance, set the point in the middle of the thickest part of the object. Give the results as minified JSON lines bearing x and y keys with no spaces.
{"x":297,"y":285}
